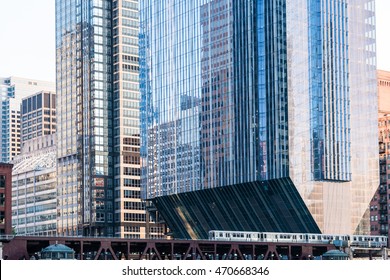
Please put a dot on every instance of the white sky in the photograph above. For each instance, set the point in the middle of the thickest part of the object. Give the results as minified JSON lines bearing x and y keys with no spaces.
{"x":27,"y":38}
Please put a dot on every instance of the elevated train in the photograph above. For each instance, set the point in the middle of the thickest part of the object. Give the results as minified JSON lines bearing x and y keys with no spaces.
{"x":366,"y":241}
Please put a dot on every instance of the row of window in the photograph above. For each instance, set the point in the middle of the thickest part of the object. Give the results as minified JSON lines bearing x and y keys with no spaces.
{"x":132,"y":228}
{"x":134,"y":205}
{"x":134,"y":217}
{"x":131,"y":171}
{"x":131,"y":194}
{"x":131,"y":159}
{"x":374,"y":218}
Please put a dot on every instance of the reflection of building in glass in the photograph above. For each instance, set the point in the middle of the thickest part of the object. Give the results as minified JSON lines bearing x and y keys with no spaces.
{"x":98,"y":120}
{"x":276,"y":103}
{"x":380,"y":203}
{"x":34,"y":193}
{"x":217,"y":108}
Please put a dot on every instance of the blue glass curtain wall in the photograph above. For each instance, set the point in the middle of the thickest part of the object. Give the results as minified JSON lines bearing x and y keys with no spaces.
{"x":329,"y":90}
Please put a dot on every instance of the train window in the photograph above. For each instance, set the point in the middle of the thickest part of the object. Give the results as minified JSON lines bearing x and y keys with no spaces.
{"x":221,"y":234}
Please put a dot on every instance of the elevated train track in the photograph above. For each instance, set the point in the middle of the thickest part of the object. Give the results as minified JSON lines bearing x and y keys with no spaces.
{"x":25,"y":247}
{"x":97,"y":248}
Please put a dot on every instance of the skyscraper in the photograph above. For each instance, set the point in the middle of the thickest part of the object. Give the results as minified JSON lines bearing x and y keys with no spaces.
{"x":259,"y":115}
{"x":38,"y":115}
{"x":98,"y":163}
{"x":12,"y":91}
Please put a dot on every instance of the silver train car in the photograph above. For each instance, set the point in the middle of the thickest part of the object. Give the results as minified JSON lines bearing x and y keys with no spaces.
{"x":367,"y":241}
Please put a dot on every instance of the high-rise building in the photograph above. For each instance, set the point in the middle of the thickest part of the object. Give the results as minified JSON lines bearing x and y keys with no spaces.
{"x":13,"y":90}
{"x":98,"y":134}
{"x":380,"y":203}
{"x":38,"y":114}
{"x":259,"y":115}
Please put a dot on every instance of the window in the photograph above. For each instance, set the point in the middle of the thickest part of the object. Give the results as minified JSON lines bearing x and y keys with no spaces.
{"x":131,"y":159}
{"x":131,"y":194}
{"x":135,"y":217}
{"x":131,"y":171}
{"x":132,"y":182}
{"x":132,"y":228}
{"x":2,"y":181}
{"x":130,"y":205}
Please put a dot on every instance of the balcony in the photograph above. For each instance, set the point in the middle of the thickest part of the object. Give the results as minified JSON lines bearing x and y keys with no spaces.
{"x":383,"y":180}
{"x":382,"y":190}
{"x":383,"y":200}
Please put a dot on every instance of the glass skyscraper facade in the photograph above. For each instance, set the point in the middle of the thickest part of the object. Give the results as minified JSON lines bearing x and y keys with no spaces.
{"x":98,"y":164}
{"x":259,"y":115}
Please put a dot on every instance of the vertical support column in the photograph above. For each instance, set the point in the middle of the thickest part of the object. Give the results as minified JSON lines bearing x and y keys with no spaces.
{"x":306,"y":251}
{"x":81,"y":250}
{"x":1,"y":250}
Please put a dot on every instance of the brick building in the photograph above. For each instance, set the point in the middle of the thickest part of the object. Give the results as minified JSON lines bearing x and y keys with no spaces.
{"x":5,"y":198}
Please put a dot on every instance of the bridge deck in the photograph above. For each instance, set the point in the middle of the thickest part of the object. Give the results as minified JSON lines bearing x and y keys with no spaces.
{"x":24,"y":247}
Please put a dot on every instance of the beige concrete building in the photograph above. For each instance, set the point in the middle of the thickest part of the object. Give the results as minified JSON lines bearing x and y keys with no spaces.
{"x":383,"y":92}
{"x":12,"y":91}
{"x":38,"y":115}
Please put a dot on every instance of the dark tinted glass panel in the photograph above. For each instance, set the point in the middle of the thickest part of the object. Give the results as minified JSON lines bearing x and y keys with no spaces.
{"x":24,"y":106}
{"x":269,"y":206}
{"x":39,"y":101}
{"x":34,"y":102}
{"x":47,"y":100}
{"x":29,"y":106}
{"x":53,"y":101}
